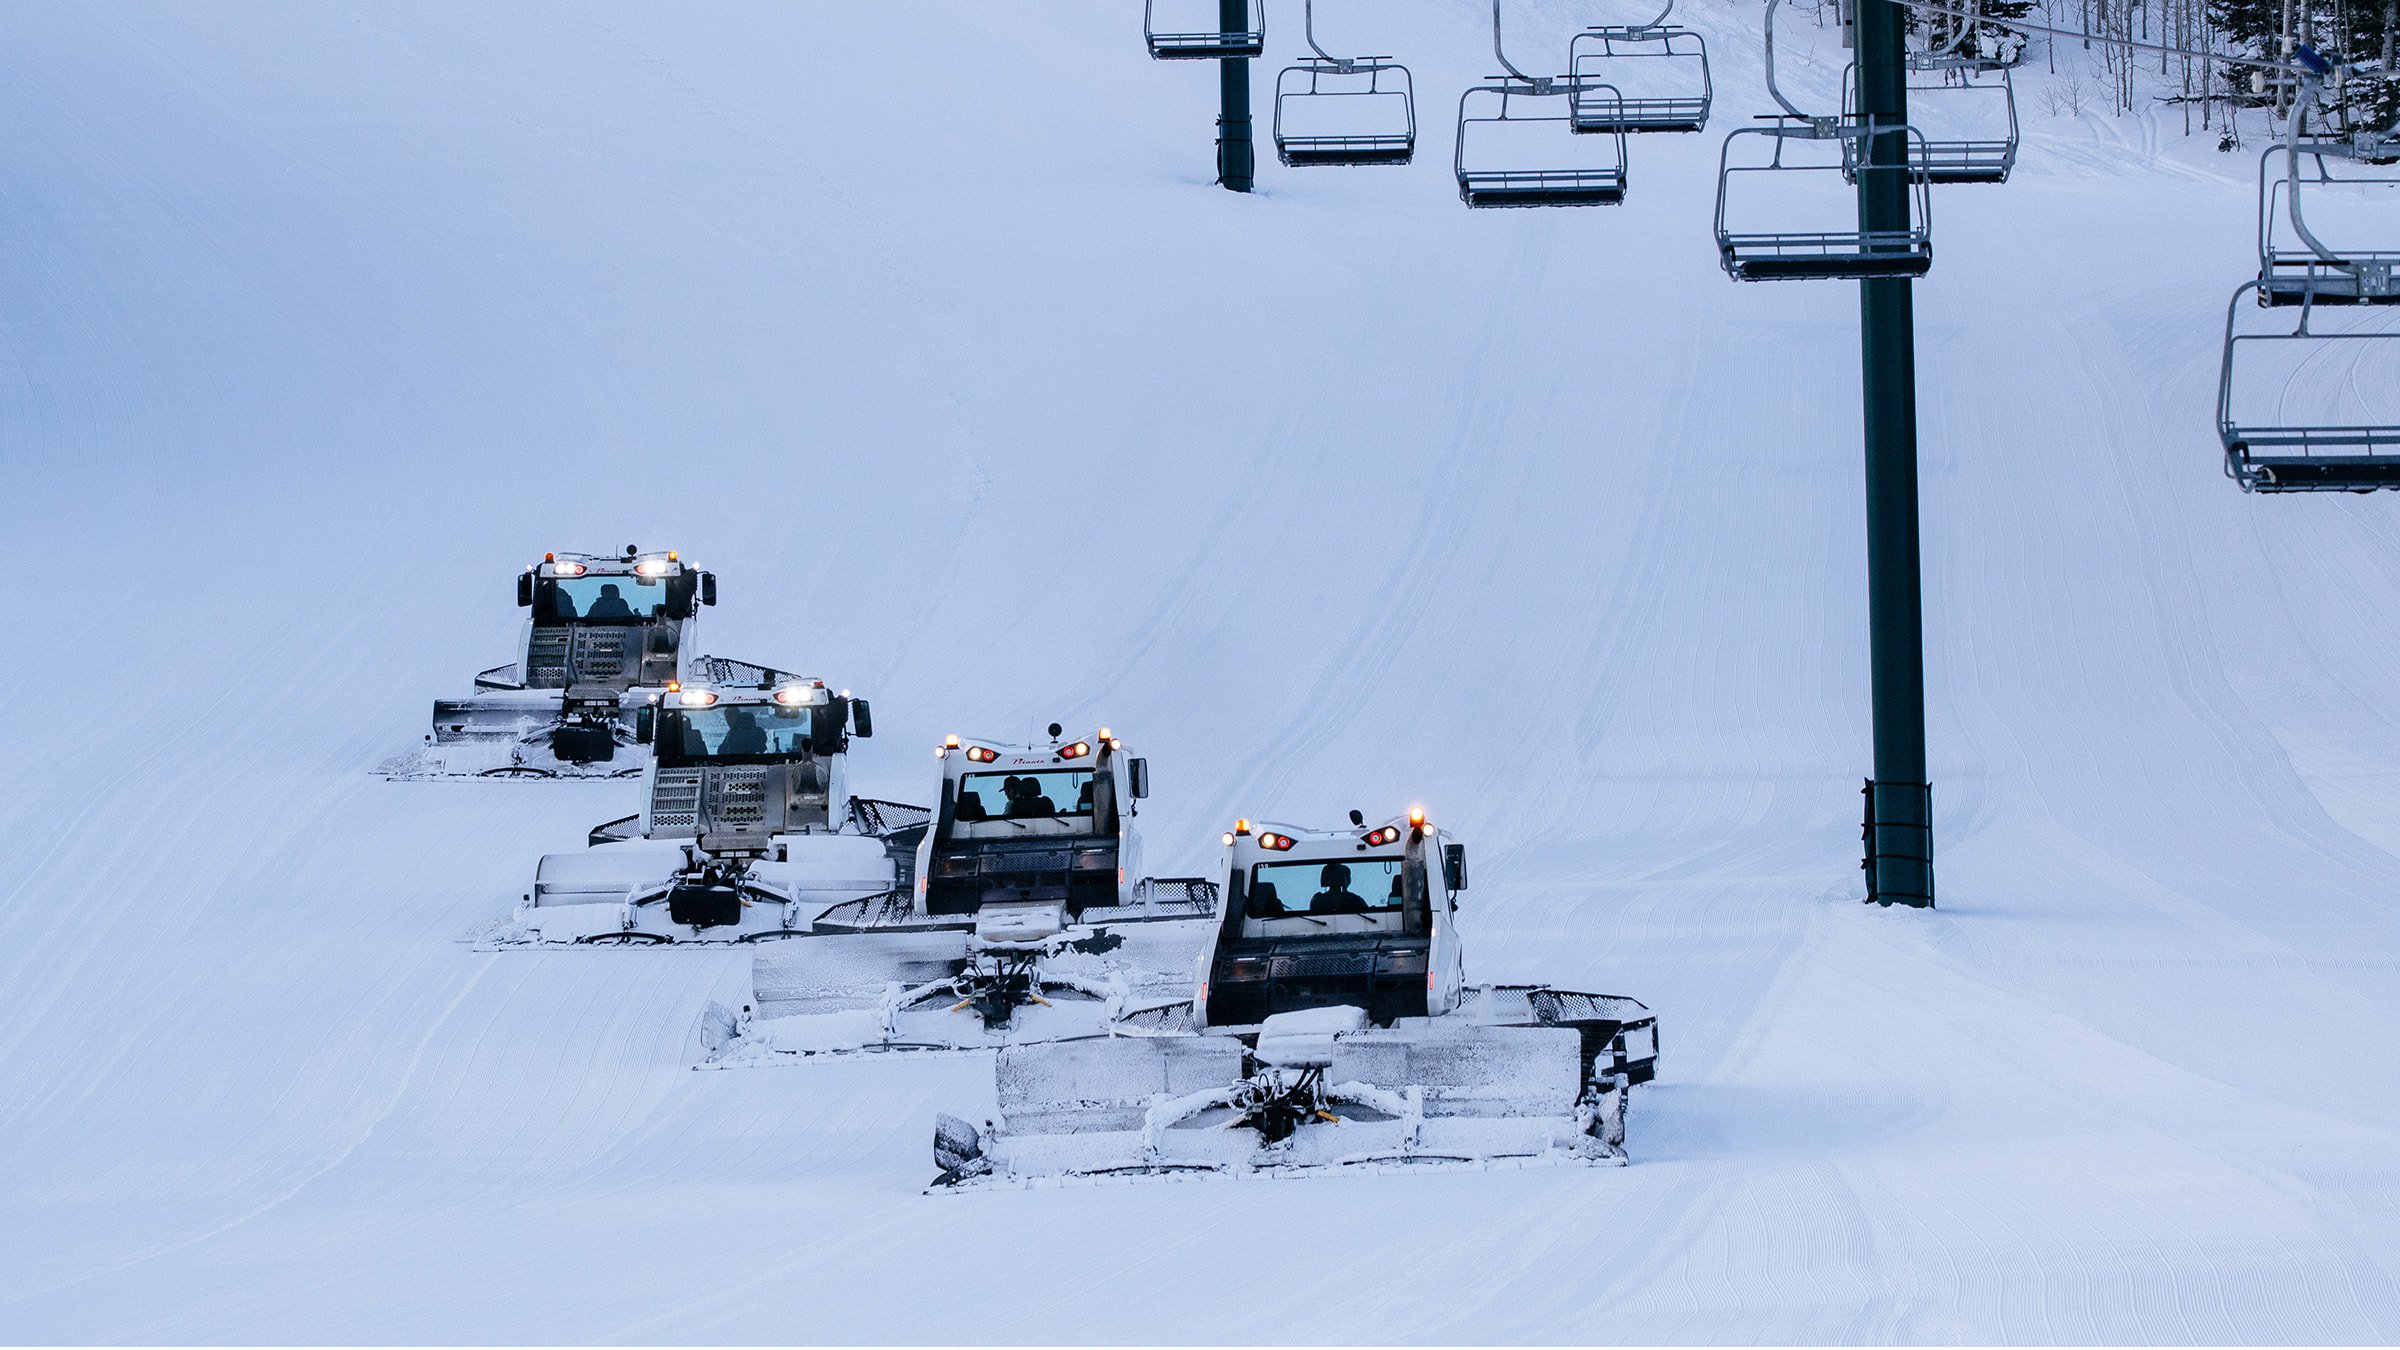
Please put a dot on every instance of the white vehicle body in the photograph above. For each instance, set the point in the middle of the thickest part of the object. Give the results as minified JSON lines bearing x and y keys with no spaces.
{"x":598,"y":630}
{"x":1330,"y":1026}
{"x":1028,"y":921}
{"x":747,"y":828}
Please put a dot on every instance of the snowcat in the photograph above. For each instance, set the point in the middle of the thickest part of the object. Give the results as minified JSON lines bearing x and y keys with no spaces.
{"x":747,"y":829}
{"x":1331,"y":1027}
{"x":1028,"y":920}
{"x":597,"y":629}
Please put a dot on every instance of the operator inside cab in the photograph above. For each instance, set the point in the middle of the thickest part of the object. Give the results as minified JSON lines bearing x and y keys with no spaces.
{"x":733,"y":734}
{"x":1321,"y":888}
{"x":1032,"y":795}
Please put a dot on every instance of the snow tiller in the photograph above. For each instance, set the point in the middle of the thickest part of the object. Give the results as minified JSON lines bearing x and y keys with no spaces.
{"x":598,"y":630}
{"x":1333,"y":1030}
{"x":1025,"y":918}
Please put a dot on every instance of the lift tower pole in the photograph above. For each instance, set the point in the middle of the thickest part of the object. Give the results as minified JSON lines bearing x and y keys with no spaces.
{"x":1237,"y":159}
{"x":1899,"y":799}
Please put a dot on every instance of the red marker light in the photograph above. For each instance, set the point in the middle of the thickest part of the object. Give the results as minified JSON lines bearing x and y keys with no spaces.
{"x":1076,"y":751}
{"x":1388,"y":834}
{"x":1277,"y":842}
{"x":980,"y":755}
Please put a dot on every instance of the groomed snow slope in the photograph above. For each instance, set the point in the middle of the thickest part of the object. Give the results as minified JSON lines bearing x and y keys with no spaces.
{"x":921,"y":325}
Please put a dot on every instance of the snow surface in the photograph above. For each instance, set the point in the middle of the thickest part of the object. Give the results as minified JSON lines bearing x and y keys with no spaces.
{"x":921,"y":325}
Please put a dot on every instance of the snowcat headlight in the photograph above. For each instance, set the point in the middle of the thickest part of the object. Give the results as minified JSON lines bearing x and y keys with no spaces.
{"x":977,"y":754}
{"x":568,"y":569}
{"x":1389,"y":834}
{"x":1076,"y":751}
{"x":1229,"y":839}
{"x":1277,"y":842}
{"x":696,"y":698}
{"x":799,"y":695}
{"x":650,"y":567}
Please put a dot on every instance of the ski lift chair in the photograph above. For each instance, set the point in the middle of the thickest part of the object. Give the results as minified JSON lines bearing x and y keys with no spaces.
{"x":1955,"y":84}
{"x":1210,"y":44}
{"x":2268,"y":450}
{"x":1494,"y":119}
{"x":1789,"y":146}
{"x":1343,"y":110}
{"x":2295,"y":264}
{"x":1670,"y":60}
{"x":1500,"y":130}
{"x":1377,"y":111}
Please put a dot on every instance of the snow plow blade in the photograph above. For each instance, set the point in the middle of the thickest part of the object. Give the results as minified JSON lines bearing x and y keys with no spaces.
{"x":1424,"y":1092}
{"x":891,"y":989}
{"x":519,"y":733}
{"x":641,"y":891}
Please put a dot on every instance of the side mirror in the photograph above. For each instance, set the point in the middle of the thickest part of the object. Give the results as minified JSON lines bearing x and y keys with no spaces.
{"x":862,"y":719}
{"x":645,"y":724}
{"x":708,"y":588}
{"x":1454,"y":866}
{"x":1137,"y":776}
{"x":524,"y":590}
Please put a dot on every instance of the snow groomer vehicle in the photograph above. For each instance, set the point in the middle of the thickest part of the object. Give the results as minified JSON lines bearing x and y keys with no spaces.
{"x":1029,"y":919}
{"x":597,"y":628}
{"x":1332,"y":1027}
{"x":747,"y":829}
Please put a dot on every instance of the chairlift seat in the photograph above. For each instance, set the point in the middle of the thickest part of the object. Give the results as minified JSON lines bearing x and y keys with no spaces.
{"x":1506,"y":104}
{"x":1951,"y":160}
{"x":1597,"y":54}
{"x":2265,"y":467}
{"x":1821,"y":255}
{"x":1302,"y":151}
{"x":2354,"y":279}
{"x":1346,"y":86}
{"x":2291,"y":270}
{"x":1542,"y":187}
{"x":2293,"y":455}
{"x":1206,"y":45}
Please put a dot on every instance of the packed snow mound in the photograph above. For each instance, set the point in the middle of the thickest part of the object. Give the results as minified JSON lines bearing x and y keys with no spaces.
{"x":923,"y":325}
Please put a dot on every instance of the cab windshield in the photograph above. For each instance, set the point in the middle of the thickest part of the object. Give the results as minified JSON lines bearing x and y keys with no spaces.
{"x":1038,"y":794}
{"x":1342,"y":886}
{"x":600,"y":599}
{"x":739,"y":734}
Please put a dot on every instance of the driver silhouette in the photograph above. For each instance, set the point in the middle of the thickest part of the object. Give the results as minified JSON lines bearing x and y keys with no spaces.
{"x":609,"y":604}
{"x":743,"y":734}
{"x":1337,"y":897}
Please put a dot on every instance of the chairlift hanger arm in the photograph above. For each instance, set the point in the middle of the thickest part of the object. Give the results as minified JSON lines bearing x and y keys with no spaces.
{"x":1540,"y":82}
{"x":1927,"y":7}
{"x":1308,"y":33}
{"x":1776,"y":91}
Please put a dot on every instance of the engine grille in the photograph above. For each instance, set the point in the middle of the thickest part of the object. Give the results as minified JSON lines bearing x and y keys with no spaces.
{"x":546,"y":659}
{"x":738,"y":796}
{"x":599,"y":656}
{"x":675,"y":800}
